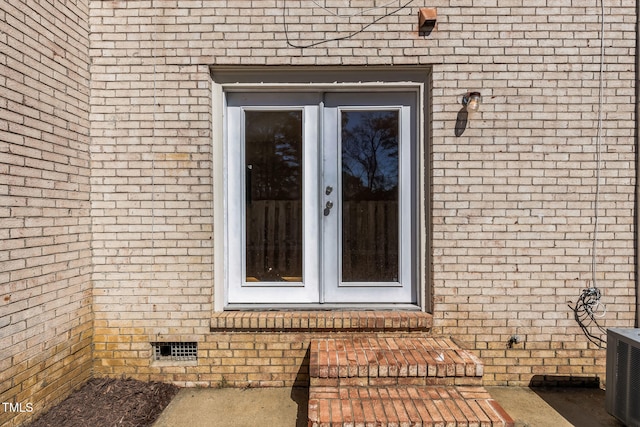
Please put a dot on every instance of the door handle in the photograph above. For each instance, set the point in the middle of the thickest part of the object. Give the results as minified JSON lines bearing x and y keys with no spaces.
{"x":327,"y":208}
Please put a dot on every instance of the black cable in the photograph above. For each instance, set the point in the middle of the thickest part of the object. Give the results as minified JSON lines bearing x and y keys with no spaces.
{"x":364,"y":27}
{"x":584,"y":314}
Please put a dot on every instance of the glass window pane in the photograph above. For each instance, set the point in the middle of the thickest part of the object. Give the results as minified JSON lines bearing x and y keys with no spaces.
{"x":370,"y":180}
{"x":273,"y":173}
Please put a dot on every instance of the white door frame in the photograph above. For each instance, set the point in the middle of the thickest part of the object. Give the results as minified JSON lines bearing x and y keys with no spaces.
{"x":222,"y":238}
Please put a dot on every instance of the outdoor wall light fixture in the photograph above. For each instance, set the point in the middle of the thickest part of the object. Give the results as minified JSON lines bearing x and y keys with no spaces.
{"x":471,"y":101}
{"x":470,"y":104}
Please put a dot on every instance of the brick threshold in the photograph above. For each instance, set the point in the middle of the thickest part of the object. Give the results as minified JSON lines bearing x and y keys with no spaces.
{"x":322,"y":321}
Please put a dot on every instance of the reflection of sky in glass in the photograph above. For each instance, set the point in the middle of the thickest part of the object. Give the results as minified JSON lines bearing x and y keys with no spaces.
{"x":369,"y":153}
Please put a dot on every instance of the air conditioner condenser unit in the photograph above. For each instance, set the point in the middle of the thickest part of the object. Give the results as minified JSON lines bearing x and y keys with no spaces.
{"x":623,"y":375}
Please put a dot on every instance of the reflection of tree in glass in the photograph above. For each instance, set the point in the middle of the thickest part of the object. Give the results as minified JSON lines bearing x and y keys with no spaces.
{"x":370,"y":196}
{"x":370,"y":155}
{"x":273,"y":151}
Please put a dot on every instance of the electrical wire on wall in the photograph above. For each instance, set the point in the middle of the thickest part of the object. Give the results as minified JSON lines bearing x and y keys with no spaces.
{"x":153,"y":154}
{"x":588,"y":308}
{"x":346,"y":36}
{"x":362,"y":12}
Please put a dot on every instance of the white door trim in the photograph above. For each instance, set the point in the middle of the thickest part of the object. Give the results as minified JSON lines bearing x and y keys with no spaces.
{"x":221,"y":238}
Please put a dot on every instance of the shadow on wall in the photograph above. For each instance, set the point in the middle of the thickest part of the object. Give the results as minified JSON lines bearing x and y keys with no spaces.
{"x":578,"y":399}
{"x":461,"y":121}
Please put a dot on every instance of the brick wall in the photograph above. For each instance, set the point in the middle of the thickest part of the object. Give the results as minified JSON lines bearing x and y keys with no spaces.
{"x":248,"y":349}
{"x":45,"y":259}
{"x":512,"y":197}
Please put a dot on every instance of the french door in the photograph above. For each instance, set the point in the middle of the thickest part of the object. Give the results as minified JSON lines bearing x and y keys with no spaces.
{"x":321,"y":198}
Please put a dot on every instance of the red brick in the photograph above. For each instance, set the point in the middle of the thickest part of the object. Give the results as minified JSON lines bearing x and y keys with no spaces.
{"x":367,"y":320}
{"x":404,"y":406}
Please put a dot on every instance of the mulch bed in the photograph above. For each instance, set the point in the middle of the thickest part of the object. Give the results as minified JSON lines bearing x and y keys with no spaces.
{"x":108,"y":402}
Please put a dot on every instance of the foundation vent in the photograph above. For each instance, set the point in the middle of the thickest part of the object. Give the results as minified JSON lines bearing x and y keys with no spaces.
{"x":175,"y":351}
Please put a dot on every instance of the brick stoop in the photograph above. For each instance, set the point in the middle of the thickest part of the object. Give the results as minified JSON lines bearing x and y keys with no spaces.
{"x":387,"y":361}
{"x":404,"y":406}
{"x":399,"y":382}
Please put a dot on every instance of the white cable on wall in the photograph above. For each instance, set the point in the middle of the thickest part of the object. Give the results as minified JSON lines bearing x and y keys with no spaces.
{"x":596,"y":214}
{"x":596,"y":208}
{"x":153,"y":155}
{"x":588,"y":307}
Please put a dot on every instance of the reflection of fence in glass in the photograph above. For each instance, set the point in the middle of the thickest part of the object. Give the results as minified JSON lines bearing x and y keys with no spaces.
{"x":274,"y":241}
{"x":370,"y":251}
{"x":370,"y":241}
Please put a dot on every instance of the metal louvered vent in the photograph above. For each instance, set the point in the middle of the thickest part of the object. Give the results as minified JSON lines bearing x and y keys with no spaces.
{"x":175,"y":351}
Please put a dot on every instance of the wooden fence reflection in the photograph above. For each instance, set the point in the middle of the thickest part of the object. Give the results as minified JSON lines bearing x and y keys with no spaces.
{"x":275,"y":240}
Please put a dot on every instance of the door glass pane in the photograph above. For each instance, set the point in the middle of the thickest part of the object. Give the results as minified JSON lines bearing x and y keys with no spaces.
{"x":273,"y":177}
{"x":370,"y":180}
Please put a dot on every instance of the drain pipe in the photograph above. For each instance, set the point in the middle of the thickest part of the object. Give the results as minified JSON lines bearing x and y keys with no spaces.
{"x":637,"y":142}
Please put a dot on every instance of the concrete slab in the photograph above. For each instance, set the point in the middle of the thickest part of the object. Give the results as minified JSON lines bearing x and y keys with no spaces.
{"x":554,"y":406}
{"x":232,"y":407}
{"x":526,"y":408}
{"x":286,"y":407}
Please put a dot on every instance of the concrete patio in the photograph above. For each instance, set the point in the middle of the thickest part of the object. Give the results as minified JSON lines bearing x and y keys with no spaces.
{"x":231,"y":407}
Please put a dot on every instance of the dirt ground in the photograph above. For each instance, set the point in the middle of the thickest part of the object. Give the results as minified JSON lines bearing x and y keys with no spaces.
{"x":107,"y":402}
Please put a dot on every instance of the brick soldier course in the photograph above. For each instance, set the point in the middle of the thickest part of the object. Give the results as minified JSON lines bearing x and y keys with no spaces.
{"x":107,"y":184}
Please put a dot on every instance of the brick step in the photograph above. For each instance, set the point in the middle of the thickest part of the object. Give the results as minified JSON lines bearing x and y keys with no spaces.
{"x":362,"y":361}
{"x":406,"y":406}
